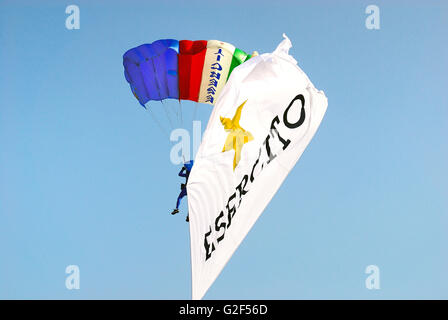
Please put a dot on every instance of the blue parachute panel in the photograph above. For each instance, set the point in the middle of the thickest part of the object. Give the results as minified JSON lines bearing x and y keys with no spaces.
{"x":151,"y":70}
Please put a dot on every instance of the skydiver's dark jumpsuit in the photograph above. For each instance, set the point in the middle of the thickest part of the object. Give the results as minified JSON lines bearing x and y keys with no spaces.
{"x":185,"y":173}
{"x":183,"y":186}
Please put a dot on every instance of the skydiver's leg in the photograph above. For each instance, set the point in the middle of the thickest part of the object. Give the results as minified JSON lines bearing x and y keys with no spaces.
{"x":176,"y":210}
{"x":178,"y":200}
{"x":182,"y":194}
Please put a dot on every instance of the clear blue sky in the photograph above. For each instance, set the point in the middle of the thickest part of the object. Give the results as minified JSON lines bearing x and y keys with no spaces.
{"x":86,"y":178}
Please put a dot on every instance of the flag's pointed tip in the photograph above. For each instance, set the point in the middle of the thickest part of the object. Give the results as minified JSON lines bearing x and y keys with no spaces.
{"x":197,"y":294}
{"x":283,"y":48}
{"x":285,"y":45}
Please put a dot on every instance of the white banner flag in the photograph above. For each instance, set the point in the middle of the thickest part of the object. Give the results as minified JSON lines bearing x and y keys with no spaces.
{"x":265,"y":117}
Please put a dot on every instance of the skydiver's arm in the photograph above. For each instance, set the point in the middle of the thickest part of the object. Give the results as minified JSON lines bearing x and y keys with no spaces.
{"x":181,"y":172}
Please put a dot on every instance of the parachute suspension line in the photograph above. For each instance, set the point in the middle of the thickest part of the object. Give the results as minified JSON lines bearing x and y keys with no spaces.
{"x":195,"y":111}
{"x":170,"y":109}
{"x":161,"y":128}
{"x":175,"y":111}
{"x":180,"y":112}
{"x":167,"y":115}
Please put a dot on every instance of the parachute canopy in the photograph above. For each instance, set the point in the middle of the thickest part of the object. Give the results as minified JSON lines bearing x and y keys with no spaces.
{"x":184,"y":70}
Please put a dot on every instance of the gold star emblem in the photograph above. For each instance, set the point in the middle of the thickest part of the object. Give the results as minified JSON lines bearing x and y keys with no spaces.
{"x":237,"y":135}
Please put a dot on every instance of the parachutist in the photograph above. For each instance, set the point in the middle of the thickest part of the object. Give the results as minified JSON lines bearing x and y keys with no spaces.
{"x":185,"y":173}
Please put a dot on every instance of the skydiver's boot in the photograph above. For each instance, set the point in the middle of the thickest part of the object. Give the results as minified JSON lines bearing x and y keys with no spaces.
{"x":175,"y":211}
{"x":187,"y":218}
